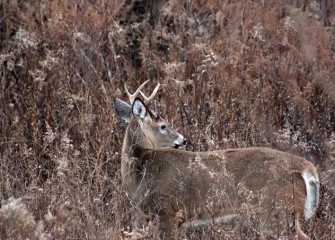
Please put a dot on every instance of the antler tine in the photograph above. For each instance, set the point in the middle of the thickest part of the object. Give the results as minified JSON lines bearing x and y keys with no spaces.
{"x":147,"y":100}
{"x":134,"y":95}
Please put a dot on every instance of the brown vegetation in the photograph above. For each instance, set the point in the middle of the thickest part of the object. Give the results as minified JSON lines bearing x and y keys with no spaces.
{"x":233,"y":74}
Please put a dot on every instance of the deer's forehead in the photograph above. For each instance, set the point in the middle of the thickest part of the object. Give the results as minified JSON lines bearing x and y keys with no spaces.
{"x":159,"y":121}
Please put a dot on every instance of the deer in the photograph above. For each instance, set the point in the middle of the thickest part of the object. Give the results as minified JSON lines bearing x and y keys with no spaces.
{"x":179,"y":186}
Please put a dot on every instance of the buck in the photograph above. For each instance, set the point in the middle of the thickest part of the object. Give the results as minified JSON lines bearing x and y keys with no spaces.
{"x":182,"y":187}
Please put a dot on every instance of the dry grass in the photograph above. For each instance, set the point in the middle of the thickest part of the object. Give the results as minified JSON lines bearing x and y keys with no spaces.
{"x":234,"y":74}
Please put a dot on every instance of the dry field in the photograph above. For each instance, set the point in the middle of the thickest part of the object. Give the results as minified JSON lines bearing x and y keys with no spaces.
{"x":233,"y":74}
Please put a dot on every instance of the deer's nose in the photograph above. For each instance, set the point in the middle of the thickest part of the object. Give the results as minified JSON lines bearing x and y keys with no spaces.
{"x":184,"y":141}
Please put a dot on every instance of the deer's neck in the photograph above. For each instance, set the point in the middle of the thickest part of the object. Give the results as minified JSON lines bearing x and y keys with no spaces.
{"x":135,"y":141}
{"x":133,"y":145}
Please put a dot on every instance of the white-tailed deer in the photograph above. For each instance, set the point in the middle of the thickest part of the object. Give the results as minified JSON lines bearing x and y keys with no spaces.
{"x":169,"y":182}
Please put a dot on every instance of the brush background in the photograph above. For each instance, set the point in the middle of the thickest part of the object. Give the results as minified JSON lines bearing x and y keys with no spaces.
{"x":233,"y":74}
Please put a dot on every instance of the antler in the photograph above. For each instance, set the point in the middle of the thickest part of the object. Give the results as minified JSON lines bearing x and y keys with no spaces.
{"x":147,"y":100}
{"x":134,"y":95}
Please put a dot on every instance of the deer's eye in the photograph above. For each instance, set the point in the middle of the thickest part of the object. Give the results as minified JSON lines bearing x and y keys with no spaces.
{"x":163,"y":127}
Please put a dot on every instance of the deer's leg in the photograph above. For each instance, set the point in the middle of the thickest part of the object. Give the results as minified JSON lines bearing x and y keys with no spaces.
{"x":300,"y":234}
{"x":168,"y":223}
{"x":137,"y":219}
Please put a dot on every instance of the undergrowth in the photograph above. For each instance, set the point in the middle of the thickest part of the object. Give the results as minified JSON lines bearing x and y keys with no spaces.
{"x":233,"y":74}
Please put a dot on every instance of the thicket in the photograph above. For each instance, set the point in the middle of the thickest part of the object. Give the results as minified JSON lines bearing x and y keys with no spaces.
{"x":233,"y":74}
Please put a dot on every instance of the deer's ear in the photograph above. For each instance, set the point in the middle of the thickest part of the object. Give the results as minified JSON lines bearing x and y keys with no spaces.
{"x":139,"y":109}
{"x":123,"y":110}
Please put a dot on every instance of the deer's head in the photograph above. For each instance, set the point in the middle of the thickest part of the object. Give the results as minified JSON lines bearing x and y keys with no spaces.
{"x":155,"y":129}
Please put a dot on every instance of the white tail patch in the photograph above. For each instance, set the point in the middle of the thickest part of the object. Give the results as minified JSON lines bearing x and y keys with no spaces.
{"x":312,"y":189}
